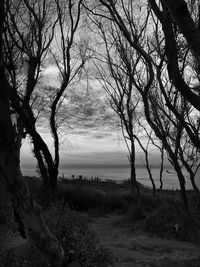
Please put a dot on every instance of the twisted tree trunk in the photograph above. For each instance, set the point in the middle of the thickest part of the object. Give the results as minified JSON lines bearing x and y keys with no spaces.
{"x":134,"y":183}
{"x":31,"y":222}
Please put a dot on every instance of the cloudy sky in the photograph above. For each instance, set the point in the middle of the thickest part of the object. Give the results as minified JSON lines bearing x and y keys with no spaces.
{"x":90,"y":133}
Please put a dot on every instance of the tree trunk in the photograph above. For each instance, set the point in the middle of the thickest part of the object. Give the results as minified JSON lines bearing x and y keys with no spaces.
{"x":150,"y":174}
{"x":28,"y":211}
{"x":161,"y":168}
{"x":48,"y":169}
{"x":134,"y":184}
{"x":31,"y":222}
{"x":51,"y":167}
{"x":53,"y":176}
{"x":45,"y":198}
{"x":196,"y":190}
{"x":181,"y":179}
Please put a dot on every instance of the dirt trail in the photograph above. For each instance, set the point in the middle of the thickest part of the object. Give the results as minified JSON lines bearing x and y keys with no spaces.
{"x":138,"y":249}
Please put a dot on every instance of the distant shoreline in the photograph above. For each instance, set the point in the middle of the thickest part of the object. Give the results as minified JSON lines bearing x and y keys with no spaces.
{"x":118,"y":172}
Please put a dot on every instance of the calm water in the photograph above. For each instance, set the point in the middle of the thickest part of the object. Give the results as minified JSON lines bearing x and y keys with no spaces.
{"x":119,"y":173}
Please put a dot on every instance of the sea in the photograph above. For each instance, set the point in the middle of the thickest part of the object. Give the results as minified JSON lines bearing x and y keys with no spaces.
{"x":118,"y":174}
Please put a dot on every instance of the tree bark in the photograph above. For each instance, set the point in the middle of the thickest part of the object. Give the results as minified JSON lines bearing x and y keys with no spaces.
{"x":48,"y":170}
{"x":177,"y":10}
{"x":161,"y":168}
{"x":134,"y":184}
{"x":180,"y":14}
{"x":32,"y":224}
{"x":27,"y":210}
{"x":196,"y":189}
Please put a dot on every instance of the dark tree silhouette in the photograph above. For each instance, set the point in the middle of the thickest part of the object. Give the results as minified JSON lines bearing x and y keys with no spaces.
{"x":161,"y":99}
{"x":26,"y":210}
{"x":30,"y":36}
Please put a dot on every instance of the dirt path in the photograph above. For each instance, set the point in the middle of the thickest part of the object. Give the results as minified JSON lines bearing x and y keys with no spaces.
{"x":138,"y":249}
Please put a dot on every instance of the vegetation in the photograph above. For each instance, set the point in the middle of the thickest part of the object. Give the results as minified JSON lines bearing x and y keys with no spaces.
{"x":148,"y":62}
{"x":78,"y":241}
{"x":162,"y":215}
{"x":156,"y":216}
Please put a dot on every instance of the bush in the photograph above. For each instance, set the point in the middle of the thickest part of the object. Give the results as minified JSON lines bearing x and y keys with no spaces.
{"x":7,"y":259}
{"x":76,"y":239}
{"x":85,"y":198}
{"x":6,"y":212}
{"x":28,"y":257}
{"x":78,"y":242}
{"x":189,"y":229}
{"x":148,"y":202}
{"x":135,"y":214}
{"x":162,"y":220}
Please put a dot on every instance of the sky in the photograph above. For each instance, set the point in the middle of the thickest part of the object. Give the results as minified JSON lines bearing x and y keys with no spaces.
{"x":87,"y":149}
{"x":90,"y":134}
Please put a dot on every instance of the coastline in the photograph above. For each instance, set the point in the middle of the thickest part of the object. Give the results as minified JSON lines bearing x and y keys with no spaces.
{"x":170,"y":180}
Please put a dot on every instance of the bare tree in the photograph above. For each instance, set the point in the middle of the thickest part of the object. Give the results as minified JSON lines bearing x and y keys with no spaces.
{"x":30,"y":30}
{"x":116,"y":77}
{"x":30,"y":220}
{"x":189,"y":156}
{"x":169,"y":13}
{"x":31,"y":27}
{"x":145,"y":149}
{"x":158,"y":145}
{"x":145,"y":66}
{"x":70,"y":67}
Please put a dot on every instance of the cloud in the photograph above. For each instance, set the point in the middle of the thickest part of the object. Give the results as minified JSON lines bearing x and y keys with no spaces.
{"x":101,"y":135}
{"x":91,"y":130}
{"x":96,"y":158}
{"x":89,"y":111}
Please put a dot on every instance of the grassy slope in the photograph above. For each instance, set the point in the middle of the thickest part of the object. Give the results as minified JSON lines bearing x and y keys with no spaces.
{"x":157,"y":216}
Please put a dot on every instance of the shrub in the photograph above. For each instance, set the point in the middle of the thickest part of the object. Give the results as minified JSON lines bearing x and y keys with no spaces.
{"x":135,"y":213}
{"x":148,"y":202}
{"x":77,"y":240}
{"x":7,"y":259}
{"x":5,"y":207}
{"x":162,"y":220}
{"x":29,"y":257}
{"x":85,"y":198}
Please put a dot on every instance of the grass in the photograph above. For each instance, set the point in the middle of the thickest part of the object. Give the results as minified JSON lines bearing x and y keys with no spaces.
{"x":156,"y":216}
{"x":78,"y":241}
{"x":88,"y":195}
{"x":84,"y":198}
{"x":163,"y":218}
{"x":180,"y":263}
